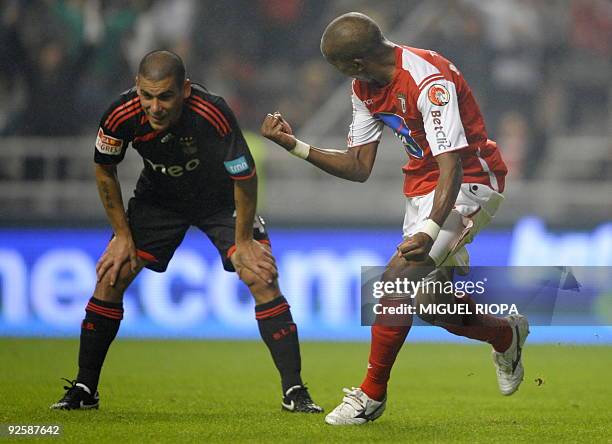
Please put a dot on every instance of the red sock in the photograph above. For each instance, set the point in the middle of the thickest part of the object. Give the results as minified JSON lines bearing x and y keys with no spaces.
{"x":387,"y":340}
{"x":482,"y":327}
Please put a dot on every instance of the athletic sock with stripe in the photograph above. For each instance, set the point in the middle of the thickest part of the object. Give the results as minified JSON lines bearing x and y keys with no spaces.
{"x":98,"y":330}
{"x":279,"y":332}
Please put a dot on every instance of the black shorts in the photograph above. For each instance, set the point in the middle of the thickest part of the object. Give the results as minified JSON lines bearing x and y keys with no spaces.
{"x":158,"y":231}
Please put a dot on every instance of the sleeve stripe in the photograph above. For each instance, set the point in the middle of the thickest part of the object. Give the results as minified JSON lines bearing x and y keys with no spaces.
{"x":209,"y":112}
{"x":215,"y":110}
{"x":120,"y":115}
{"x":119,"y":108}
{"x":429,"y":80}
{"x":210,"y":119}
{"x":244,"y":177}
{"x":124,"y":118}
{"x":223,"y":130}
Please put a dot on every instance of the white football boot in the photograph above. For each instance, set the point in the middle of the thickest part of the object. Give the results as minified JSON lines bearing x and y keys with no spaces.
{"x":508,"y":364}
{"x":356,"y":408}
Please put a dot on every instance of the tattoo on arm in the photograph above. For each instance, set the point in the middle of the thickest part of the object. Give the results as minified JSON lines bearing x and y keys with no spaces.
{"x":108,"y":201}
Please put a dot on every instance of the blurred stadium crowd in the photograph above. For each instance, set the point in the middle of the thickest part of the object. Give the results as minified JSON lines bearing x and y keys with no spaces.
{"x":535,"y":65}
{"x":541,"y":71}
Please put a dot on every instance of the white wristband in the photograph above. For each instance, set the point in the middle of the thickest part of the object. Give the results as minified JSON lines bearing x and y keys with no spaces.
{"x":301,"y":149}
{"x":430,"y":228}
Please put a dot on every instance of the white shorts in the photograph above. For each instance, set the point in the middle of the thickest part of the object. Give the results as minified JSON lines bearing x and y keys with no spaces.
{"x":475,"y":207}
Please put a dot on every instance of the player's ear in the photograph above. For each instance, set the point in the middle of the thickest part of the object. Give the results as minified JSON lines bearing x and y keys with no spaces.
{"x":186,"y":88}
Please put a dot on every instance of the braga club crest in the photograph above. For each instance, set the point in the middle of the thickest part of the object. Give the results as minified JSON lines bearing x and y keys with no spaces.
{"x":401,"y":130}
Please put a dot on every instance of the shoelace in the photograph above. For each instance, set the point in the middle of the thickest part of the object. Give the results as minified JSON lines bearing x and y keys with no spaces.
{"x":71,"y":382}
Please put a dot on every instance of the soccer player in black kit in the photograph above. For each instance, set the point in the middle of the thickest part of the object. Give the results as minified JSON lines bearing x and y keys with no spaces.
{"x":197,"y":171}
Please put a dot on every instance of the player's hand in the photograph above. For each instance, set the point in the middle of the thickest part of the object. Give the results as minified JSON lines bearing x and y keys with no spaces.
{"x":257,"y":258}
{"x":120,"y":250}
{"x":415,"y":248}
{"x":278,"y":130}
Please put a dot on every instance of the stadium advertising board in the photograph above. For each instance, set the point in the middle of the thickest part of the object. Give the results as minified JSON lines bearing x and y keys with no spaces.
{"x":47,"y":276}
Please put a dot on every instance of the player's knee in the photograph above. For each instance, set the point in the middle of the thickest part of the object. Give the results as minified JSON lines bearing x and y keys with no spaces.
{"x":114,"y":293}
{"x":261,"y":290}
{"x":400,"y":268}
{"x":438,"y":309}
{"x":104,"y":291}
{"x":264,"y":292}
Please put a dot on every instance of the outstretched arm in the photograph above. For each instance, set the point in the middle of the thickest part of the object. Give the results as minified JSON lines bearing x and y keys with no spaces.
{"x":354,"y":164}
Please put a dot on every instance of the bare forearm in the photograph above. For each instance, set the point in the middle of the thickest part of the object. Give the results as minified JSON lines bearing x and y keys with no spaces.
{"x":110,"y":195}
{"x":447,"y":189}
{"x":245,"y":200}
{"x":353,"y":164}
{"x":344,"y":164}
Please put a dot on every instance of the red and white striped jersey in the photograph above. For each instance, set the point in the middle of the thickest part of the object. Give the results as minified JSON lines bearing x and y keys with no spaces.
{"x":431,"y":109}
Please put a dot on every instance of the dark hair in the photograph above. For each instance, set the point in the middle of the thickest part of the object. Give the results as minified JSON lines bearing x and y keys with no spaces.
{"x":158,"y":65}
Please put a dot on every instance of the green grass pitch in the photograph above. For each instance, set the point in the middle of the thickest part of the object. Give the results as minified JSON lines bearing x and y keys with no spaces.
{"x":213,"y":391}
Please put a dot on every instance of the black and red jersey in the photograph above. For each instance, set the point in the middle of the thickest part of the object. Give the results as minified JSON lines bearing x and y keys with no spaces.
{"x":190,"y":166}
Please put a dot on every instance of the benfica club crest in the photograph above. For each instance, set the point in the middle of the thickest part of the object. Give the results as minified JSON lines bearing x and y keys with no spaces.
{"x":188,"y":144}
{"x":402,"y":100}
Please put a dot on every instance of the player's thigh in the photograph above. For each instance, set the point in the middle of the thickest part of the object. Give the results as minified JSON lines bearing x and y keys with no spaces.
{"x":474,"y":208}
{"x":157,"y":232}
{"x":400,"y":268}
{"x":430,"y":282}
{"x":221,"y":230}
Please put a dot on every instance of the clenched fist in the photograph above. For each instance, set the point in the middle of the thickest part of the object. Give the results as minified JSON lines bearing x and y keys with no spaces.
{"x":275,"y":128}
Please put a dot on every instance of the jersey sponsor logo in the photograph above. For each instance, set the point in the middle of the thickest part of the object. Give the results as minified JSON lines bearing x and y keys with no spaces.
{"x":401,"y":130}
{"x":440,"y":133}
{"x":107,"y":144}
{"x":237,"y":166}
{"x":438,"y":95}
{"x":173,"y":170}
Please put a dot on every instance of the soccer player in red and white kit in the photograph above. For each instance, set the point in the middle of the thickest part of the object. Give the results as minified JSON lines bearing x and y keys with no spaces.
{"x":453,"y":184}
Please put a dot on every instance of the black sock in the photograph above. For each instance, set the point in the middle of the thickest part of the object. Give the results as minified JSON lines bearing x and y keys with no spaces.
{"x":279,"y":332}
{"x":98,"y":330}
